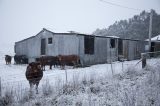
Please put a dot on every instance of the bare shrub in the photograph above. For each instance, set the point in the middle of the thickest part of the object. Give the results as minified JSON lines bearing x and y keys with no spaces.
{"x":47,"y":89}
{"x":25,"y":98}
{"x":7,"y":99}
{"x":54,"y":101}
{"x":95,"y":88}
{"x":68,"y":89}
{"x":37,"y":103}
{"x":84,"y":80}
{"x":65,"y":100}
{"x":92,"y":78}
{"x":76,"y":81}
{"x":58,"y":86}
{"x":78,"y":103}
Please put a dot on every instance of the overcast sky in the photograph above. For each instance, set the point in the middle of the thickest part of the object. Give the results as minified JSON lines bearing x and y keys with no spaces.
{"x":20,"y":19}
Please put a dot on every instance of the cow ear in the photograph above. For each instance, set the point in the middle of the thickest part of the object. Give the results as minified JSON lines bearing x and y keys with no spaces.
{"x":39,"y":66}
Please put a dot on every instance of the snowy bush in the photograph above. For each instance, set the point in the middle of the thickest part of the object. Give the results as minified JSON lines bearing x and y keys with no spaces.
{"x":95,"y":88}
{"x":84,"y":80}
{"x":7,"y":99}
{"x":64,"y":100}
{"x":69,"y":89}
{"x":26,"y":97}
{"x":47,"y":89}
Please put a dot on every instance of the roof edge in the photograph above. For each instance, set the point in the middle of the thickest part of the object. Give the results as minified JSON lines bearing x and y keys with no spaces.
{"x":44,"y":29}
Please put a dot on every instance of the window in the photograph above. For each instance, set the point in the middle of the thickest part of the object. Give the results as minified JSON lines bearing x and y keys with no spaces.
{"x":112,"y":43}
{"x":49,"y":40}
{"x":89,"y":44}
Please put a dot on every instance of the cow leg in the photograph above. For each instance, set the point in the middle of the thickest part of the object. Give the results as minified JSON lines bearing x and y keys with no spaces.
{"x":31,"y":86}
{"x":56,"y":64}
{"x":37,"y":83}
{"x":44,"y":67}
{"x":63,"y":66}
{"x":50,"y":67}
{"x":74,"y":64}
{"x":31,"y":91}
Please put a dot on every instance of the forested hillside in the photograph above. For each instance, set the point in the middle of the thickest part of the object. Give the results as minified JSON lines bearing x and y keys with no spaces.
{"x":136,"y":27}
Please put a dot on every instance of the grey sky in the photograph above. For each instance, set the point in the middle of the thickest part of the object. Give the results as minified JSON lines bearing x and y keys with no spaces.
{"x":20,"y":19}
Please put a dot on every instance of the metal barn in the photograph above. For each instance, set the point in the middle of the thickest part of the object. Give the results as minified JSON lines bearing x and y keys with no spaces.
{"x":91,"y":49}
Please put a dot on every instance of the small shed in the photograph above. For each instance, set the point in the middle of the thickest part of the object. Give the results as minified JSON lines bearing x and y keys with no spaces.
{"x":131,"y":49}
{"x":155,"y":43}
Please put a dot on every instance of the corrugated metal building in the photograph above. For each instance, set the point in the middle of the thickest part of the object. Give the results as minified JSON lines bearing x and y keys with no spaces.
{"x":91,"y":49}
{"x":155,"y":44}
{"x":131,"y":49}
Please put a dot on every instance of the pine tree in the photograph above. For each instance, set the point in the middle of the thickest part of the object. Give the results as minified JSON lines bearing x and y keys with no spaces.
{"x":134,"y":28}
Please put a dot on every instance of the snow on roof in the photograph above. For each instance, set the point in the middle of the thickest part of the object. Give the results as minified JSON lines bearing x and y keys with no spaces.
{"x":156,"y":38}
{"x":113,"y":36}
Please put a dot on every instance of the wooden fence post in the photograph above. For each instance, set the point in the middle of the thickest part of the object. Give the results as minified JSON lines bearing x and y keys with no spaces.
{"x":143,"y":56}
{"x":0,"y":88}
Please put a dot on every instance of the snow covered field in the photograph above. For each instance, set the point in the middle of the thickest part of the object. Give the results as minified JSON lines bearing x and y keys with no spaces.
{"x":14,"y":75}
{"x":13,"y":78}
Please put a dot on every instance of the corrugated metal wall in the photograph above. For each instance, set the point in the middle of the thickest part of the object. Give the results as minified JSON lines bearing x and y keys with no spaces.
{"x":63,"y":44}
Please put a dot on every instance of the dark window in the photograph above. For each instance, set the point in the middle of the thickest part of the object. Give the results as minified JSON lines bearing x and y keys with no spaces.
{"x":152,"y":49}
{"x":112,"y":43}
{"x":89,"y":44}
{"x":120,"y":47}
{"x":49,"y":40}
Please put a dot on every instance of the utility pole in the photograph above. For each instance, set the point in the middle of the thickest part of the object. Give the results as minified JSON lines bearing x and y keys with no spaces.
{"x":150,"y":29}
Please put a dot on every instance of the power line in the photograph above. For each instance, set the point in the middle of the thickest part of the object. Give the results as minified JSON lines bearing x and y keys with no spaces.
{"x":114,"y":4}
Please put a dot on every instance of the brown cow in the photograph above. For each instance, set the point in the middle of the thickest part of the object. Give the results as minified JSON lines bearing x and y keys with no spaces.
{"x":69,"y":60}
{"x":8,"y":59}
{"x":53,"y":61}
{"x":48,"y":60}
{"x":34,"y":74}
{"x":43,"y":62}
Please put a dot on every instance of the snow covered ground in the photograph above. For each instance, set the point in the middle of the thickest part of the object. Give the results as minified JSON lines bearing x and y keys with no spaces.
{"x":13,"y":77}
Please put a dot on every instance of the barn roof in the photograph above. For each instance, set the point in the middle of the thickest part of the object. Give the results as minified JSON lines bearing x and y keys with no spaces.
{"x":72,"y":33}
{"x":155,"y":39}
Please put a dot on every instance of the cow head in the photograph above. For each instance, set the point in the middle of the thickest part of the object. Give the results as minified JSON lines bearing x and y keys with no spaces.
{"x":35,"y":66}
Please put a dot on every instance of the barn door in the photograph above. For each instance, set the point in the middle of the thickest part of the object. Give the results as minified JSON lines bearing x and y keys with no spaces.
{"x":152,"y":46}
{"x":126,"y":50}
{"x":43,"y":46}
{"x":120,"y":47}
